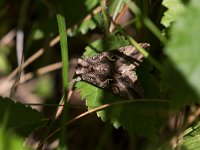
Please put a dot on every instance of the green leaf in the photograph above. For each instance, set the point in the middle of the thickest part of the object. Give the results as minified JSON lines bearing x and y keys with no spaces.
{"x":4,"y":64}
{"x":112,"y":4}
{"x":38,"y":34}
{"x":106,"y":44}
{"x":90,"y":4}
{"x":149,"y":83}
{"x":11,"y":141}
{"x":135,"y":117}
{"x":174,"y":8}
{"x":139,"y":117}
{"x":84,"y":8}
{"x":71,"y":7}
{"x":191,"y":139}
{"x":182,"y":68}
{"x":89,"y":24}
{"x":96,"y":20}
{"x":23,"y":120}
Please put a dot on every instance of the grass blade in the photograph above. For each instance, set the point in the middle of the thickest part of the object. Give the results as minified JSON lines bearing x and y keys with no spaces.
{"x":64,"y":50}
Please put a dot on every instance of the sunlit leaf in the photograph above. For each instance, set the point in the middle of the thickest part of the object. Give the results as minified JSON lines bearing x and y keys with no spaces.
{"x":182,"y":68}
{"x":21,"y":119}
{"x":174,"y":8}
{"x":191,"y":139}
{"x":136,"y":117}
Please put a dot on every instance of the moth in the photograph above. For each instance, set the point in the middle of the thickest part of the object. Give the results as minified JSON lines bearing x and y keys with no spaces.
{"x":114,"y":70}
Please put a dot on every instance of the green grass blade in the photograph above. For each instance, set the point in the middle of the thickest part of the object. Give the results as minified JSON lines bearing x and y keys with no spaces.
{"x":105,"y":17}
{"x":64,"y":50}
{"x":147,"y":22}
{"x":65,"y":69}
{"x":142,"y":50}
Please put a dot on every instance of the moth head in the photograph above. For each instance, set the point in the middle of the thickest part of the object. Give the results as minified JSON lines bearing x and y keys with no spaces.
{"x":83,"y":66}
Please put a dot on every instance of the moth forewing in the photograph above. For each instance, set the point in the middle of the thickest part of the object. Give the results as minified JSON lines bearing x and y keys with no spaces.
{"x":117,"y":67}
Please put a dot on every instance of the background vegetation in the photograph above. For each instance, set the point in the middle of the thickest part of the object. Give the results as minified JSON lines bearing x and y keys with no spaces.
{"x":40,"y":42}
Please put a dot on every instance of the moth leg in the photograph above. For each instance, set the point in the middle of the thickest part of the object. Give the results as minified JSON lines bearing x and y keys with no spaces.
{"x":110,"y":57}
{"x":105,"y":83}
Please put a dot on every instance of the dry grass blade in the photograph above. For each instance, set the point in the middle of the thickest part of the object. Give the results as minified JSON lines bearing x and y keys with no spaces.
{"x":51,"y":44}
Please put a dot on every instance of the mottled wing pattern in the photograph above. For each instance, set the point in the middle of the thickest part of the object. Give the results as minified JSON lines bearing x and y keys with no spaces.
{"x":114,"y":70}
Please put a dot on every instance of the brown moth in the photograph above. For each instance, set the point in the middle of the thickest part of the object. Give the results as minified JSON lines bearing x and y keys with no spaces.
{"x":114,"y":70}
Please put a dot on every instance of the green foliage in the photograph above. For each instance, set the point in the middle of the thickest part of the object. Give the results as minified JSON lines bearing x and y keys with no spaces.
{"x":21,"y":119}
{"x":65,"y":67}
{"x":110,"y":43}
{"x":169,"y":72}
{"x":182,"y":68}
{"x":84,"y":8}
{"x":135,"y":117}
{"x":112,"y":5}
{"x":174,"y":8}
{"x":72,"y":17}
{"x":179,"y":78}
{"x":149,"y":83}
{"x":38,"y":34}
{"x":4,"y":62}
{"x":191,"y":138}
{"x":136,"y":112}
{"x":64,"y":50}
{"x":89,"y":24}
{"x":11,"y":141}
{"x":44,"y":87}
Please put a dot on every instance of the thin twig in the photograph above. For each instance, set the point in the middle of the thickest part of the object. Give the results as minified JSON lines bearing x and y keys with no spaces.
{"x":41,"y":50}
{"x":70,"y":92}
{"x":8,"y":38}
{"x":41,"y":71}
{"x":103,"y":107}
{"x":28,"y":76}
{"x":55,"y":105}
{"x":111,"y":29}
